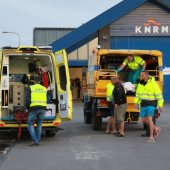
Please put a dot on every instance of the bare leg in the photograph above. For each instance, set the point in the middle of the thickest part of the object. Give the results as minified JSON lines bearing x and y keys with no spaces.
{"x":121,"y":127}
{"x":109,"y":123}
{"x":113,"y":124}
{"x":151,"y":126}
{"x":156,"y":131}
{"x":145,"y":121}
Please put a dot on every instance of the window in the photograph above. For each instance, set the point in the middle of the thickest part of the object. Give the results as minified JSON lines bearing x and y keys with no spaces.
{"x":5,"y":71}
{"x":63,"y":79}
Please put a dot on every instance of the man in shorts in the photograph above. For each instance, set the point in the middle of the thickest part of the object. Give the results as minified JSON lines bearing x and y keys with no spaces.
{"x":149,"y":96}
{"x":120,"y":105}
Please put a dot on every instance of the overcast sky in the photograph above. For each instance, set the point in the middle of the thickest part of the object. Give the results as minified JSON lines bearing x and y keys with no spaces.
{"x":22,"y":16}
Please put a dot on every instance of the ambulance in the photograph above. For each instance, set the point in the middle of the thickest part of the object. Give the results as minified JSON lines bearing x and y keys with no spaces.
{"x":17,"y":66}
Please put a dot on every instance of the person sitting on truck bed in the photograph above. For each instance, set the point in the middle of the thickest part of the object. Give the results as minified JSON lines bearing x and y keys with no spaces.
{"x":136,"y":65}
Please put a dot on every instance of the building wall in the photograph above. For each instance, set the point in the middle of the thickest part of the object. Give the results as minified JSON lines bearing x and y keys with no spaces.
{"x":123,"y":34}
{"x":84,"y":51}
{"x":104,"y":37}
{"x":46,"y":36}
{"x":74,"y":74}
{"x":135,"y":23}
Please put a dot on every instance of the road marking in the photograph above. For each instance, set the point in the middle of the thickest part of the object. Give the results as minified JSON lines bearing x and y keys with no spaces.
{"x":86,"y":153}
{"x":5,"y":151}
{"x":5,"y":145}
{"x":82,"y":150}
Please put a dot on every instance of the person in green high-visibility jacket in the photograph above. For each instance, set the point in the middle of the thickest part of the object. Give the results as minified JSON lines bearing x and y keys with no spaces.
{"x":136,"y":65}
{"x":149,"y":97}
{"x":110,"y":101}
{"x":36,"y":102}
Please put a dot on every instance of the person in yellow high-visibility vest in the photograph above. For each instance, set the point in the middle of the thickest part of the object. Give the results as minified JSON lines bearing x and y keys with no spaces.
{"x":36,"y":102}
{"x":136,"y":65}
{"x":111,"y":121}
{"x":149,"y":96}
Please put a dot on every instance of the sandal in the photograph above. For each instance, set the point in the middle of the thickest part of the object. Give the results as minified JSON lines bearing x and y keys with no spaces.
{"x":114,"y":133}
{"x":107,"y":132}
{"x":120,"y":135}
{"x":150,"y":140}
{"x":157,"y":133}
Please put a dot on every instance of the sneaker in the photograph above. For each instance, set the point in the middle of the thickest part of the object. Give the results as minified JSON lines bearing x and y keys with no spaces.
{"x":34,"y":144}
{"x":107,"y":132}
{"x":120,"y":135}
{"x":114,"y":133}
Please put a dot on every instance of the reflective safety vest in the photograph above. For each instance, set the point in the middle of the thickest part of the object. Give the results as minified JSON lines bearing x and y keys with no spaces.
{"x":38,"y":95}
{"x":110,"y":88}
{"x":135,"y":64}
{"x":150,"y":91}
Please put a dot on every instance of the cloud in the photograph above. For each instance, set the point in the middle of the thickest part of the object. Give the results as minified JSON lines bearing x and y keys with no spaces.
{"x":22,"y":16}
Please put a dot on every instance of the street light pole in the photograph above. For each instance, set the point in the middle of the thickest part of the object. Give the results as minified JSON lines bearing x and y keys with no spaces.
{"x":7,"y":32}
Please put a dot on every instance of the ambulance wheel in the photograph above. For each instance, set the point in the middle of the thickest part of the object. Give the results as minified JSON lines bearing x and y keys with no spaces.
{"x":50,"y":133}
{"x":87,"y":116}
{"x":96,"y":122}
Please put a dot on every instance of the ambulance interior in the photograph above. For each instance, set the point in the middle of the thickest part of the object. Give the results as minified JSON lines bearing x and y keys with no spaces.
{"x":113,"y":62}
{"x":17,"y":73}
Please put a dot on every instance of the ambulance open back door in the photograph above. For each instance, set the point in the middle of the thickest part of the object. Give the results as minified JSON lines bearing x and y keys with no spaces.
{"x":63,"y":85}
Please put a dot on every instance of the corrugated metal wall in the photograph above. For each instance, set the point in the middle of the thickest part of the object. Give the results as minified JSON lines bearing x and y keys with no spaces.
{"x":133,"y":23}
{"x":46,"y":36}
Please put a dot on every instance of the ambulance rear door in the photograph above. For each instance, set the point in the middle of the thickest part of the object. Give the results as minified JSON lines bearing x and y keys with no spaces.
{"x":63,"y":85}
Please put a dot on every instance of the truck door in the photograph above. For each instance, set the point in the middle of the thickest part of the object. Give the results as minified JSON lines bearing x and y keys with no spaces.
{"x":63,"y":85}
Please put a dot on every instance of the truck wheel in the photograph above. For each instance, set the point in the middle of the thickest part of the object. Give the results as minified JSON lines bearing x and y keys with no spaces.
{"x":87,"y":116}
{"x":96,"y":123}
{"x":144,"y":126}
{"x":50,"y":133}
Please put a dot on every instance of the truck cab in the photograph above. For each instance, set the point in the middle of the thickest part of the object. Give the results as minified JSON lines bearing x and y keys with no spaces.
{"x":102,"y":65}
{"x":17,"y":66}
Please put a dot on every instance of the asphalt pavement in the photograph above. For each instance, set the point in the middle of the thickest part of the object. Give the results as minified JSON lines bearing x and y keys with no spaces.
{"x":78,"y":147}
